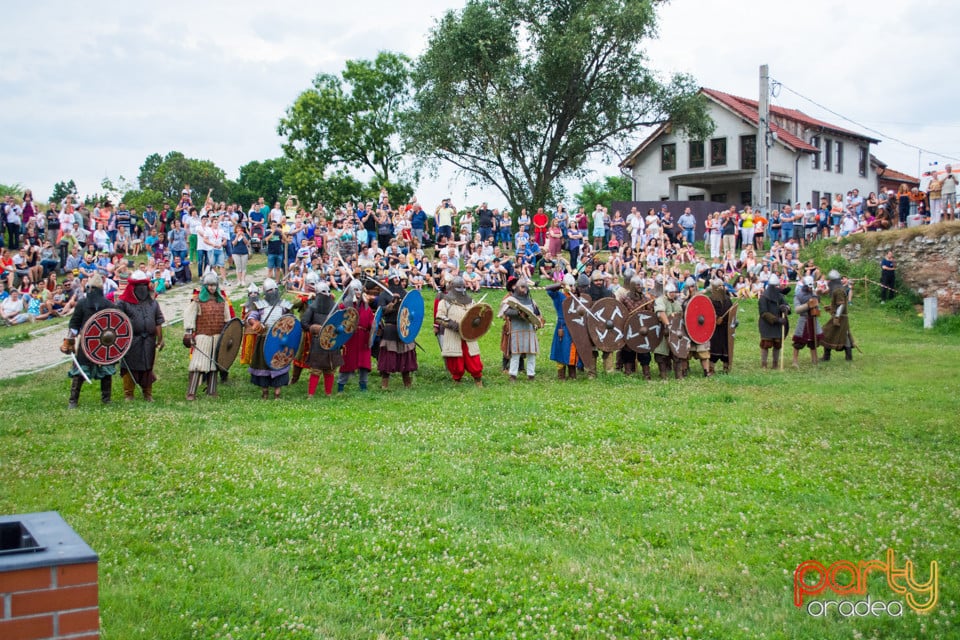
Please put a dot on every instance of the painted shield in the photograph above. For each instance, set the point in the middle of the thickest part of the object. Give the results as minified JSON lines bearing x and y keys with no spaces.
{"x":731,"y":333}
{"x":410,"y":317}
{"x":106,"y":336}
{"x":282,"y":342}
{"x":677,"y":339}
{"x":575,"y":318}
{"x":329,"y":339}
{"x":700,"y":319}
{"x":643,"y":330}
{"x":228,"y":346}
{"x":476,"y":321}
{"x":607,"y":325}
{"x":526,"y":313}
{"x":375,"y":331}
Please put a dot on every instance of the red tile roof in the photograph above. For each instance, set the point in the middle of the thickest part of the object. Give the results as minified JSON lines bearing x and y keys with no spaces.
{"x":899,"y":176}
{"x":749,"y":109}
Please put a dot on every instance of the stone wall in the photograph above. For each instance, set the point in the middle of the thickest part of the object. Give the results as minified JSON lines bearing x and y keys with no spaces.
{"x":930,"y":266}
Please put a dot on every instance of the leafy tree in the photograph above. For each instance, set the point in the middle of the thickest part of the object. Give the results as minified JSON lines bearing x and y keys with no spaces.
{"x":139,"y":199}
{"x":62,"y":189}
{"x":611,"y":189}
{"x":167,"y":175}
{"x":520,"y":94}
{"x":346,"y":123}
{"x":267,"y":179}
{"x":16,"y":190}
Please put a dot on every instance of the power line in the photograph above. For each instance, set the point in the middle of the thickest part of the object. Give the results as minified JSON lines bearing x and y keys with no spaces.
{"x":778,"y":85}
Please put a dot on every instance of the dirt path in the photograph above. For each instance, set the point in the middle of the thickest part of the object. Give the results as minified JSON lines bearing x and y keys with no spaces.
{"x":42,"y":350}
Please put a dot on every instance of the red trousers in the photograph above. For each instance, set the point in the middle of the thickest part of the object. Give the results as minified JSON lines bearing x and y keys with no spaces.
{"x":466,"y":362}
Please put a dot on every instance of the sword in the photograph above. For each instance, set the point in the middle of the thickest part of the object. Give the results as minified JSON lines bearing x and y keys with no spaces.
{"x":79,"y":368}
{"x":204,"y":353}
{"x":580,"y":302}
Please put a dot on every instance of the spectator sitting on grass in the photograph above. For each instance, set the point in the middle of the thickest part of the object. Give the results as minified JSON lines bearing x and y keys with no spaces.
{"x":14,"y":310}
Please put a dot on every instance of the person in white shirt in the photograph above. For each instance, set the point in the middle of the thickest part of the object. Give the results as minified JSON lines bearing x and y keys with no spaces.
{"x":636,"y":225}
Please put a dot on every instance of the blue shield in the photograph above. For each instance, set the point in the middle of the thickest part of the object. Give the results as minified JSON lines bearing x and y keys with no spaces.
{"x":410,"y":317}
{"x":282,"y":342}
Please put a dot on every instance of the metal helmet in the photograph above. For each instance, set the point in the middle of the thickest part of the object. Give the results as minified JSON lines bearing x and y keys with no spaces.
{"x":569,"y":280}
{"x":583,"y":281}
{"x":669,"y":288}
{"x":808,"y":281}
{"x":689,"y":282}
{"x":323,"y":288}
{"x":773,"y":281}
{"x":636,"y":283}
{"x":269,"y":285}
{"x":253,"y":289}
{"x":458,"y":284}
{"x":596,"y":276}
{"x":210,"y":278}
{"x":833,"y":275}
{"x":312,"y":278}
{"x":139,"y":274}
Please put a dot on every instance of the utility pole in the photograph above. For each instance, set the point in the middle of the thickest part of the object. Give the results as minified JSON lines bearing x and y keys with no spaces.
{"x":764,"y":140}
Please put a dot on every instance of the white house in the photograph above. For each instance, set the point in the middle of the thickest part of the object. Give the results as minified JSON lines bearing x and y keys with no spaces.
{"x":809,"y":159}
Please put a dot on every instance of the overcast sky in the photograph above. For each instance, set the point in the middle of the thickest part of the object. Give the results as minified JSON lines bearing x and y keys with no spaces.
{"x":89,"y":89}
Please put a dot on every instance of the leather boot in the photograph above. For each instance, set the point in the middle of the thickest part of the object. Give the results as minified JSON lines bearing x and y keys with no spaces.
{"x":478,"y":382}
{"x":384,"y":382}
{"x":106,"y":389}
{"x":407,"y":380}
{"x":192,"y":383}
{"x":572,"y":371}
{"x":826,"y":355}
{"x":763,"y":358}
{"x":295,"y":374}
{"x":677,"y":369}
{"x":849,"y":353}
{"x":76,"y":384}
{"x":646,"y":371}
{"x":148,"y":392}
{"x":561,"y":372}
{"x":129,"y":386}
{"x":212,"y":379}
{"x":776,"y":358}
{"x":664,"y":368}
{"x":513,"y":378}
{"x":629,"y":368}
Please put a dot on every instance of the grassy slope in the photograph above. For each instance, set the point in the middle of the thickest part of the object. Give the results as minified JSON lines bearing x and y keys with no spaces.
{"x":610,"y":507}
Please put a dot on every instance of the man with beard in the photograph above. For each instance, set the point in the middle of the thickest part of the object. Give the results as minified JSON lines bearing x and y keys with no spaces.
{"x":598,"y":290}
{"x":772,"y":321}
{"x":808,"y":333}
{"x":356,"y":353}
{"x":136,"y":368}
{"x":395,"y":356}
{"x":719,"y":341}
{"x":320,"y":361}
{"x":666,"y":307}
{"x":91,"y":303}
{"x":632,"y":297}
{"x":836,"y":335}
{"x":523,"y":334}
{"x":267,"y":312}
{"x":459,"y":355}
{"x":203,"y":322}
{"x":562,"y":349}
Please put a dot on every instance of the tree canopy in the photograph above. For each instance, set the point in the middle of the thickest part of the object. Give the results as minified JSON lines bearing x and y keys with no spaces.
{"x":346,"y":124}
{"x":520,"y":94}
{"x":610,"y":189}
{"x":167,"y":175}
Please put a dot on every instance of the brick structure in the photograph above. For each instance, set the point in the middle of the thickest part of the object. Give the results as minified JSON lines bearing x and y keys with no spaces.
{"x":48,"y":580}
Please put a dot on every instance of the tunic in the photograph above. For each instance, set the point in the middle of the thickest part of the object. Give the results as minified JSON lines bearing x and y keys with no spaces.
{"x":562,"y":349}
{"x":836,"y":335}
{"x":719,"y":344}
{"x":315,"y":315}
{"x":807,"y":326}
{"x":450,"y":340}
{"x":671,"y":308}
{"x":356,"y":353}
{"x":206,"y":320}
{"x":145,"y":317}
{"x":769,"y":303}
{"x":91,"y":304}
{"x":523,"y":335}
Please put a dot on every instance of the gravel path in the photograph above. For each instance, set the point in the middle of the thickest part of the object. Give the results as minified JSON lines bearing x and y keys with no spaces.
{"x":42,"y":350}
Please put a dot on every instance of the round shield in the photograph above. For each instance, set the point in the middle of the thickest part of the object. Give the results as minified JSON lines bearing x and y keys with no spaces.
{"x":644,"y":331}
{"x":606,"y":325}
{"x":526,"y":313}
{"x":677,"y":340}
{"x":410,"y":317}
{"x":575,"y":318}
{"x":700,"y":319}
{"x":375,"y":331}
{"x":476,"y":321}
{"x":228,"y":346}
{"x":106,"y":336}
{"x":329,"y":339}
{"x":282,"y":341}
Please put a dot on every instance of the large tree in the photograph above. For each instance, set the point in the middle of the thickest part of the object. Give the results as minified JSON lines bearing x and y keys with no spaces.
{"x":168,"y":174}
{"x":348,"y":123}
{"x":611,"y":189}
{"x":520,"y":94}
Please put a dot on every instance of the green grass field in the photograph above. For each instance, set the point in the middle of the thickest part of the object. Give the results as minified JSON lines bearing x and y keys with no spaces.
{"x":606,"y":508}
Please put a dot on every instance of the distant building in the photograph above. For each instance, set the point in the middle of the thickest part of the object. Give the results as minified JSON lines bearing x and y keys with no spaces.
{"x":810,"y":159}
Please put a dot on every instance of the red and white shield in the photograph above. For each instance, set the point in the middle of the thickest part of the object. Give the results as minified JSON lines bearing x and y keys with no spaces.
{"x":106,"y":336}
{"x":700,"y":319}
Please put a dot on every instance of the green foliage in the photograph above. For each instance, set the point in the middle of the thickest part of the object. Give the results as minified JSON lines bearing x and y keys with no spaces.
{"x":612,"y":189}
{"x":268,"y":179}
{"x":589,"y":508}
{"x":347,"y":123}
{"x":520,"y":94}
{"x":139,"y":199}
{"x":62,"y":189}
{"x":168,"y":175}
{"x":16,"y":190}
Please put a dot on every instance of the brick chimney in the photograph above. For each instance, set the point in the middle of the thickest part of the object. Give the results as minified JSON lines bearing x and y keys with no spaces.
{"x":48,"y":580}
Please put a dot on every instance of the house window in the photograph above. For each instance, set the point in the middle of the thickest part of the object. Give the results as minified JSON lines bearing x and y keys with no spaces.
{"x":718,"y":152}
{"x":668,"y":157}
{"x":748,"y":153}
{"x":815,"y":198}
{"x":697,"y":198}
{"x":696,"y":154}
{"x":815,"y":141}
{"x":746,"y":197}
{"x":839,"y":157}
{"x":864,"y":161}
{"x":718,"y":197}
{"x":828,"y":154}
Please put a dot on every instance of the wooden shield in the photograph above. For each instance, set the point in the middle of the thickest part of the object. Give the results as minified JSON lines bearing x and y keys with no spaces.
{"x":410,"y":316}
{"x":731,"y":333}
{"x":282,"y":342}
{"x":643,"y":330}
{"x":576,"y":320}
{"x":476,"y":321}
{"x":677,"y":339}
{"x":106,"y":336}
{"x":375,"y":331}
{"x":228,"y":346}
{"x":700,"y":319}
{"x":526,"y":313}
{"x":329,"y":339}
{"x":607,"y":326}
